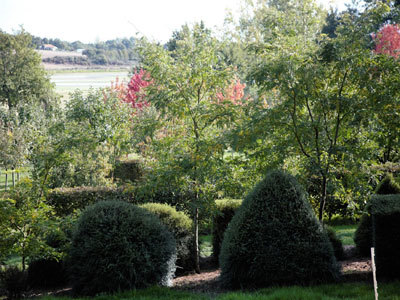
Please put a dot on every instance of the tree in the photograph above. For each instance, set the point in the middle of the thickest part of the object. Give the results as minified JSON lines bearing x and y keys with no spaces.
{"x":22,"y":78}
{"x":319,"y":101}
{"x":186,"y":83}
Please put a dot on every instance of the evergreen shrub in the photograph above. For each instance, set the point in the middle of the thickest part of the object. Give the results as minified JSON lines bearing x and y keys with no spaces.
{"x":119,"y":246}
{"x":181,"y":226}
{"x":66,"y":200}
{"x":275,"y":239}
{"x":363,"y":234}
{"x":385,"y":211}
{"x":225,"y":210}
{"x":336,"y":243}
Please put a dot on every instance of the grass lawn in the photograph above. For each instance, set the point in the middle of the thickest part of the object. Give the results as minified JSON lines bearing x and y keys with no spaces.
{"x":345,"y":233}
{"x":324,"y":292}
{"x":205,"y":245}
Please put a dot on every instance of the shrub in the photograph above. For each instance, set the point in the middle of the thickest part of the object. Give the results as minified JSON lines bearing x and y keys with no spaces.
{"x":363,"y":236}
{"x":14,"y":282}
{"x":181,"y":226}
{"x":46,"y":273}
{"x":119,"y":246}
{"x":274,"y":238}
{"x":226,"y":209}
{"x":385,"y":211}
{"x":66,"y":200}
{"x":336,"y":243}
{"x":128,"y":170}
{"x":387,"y":186}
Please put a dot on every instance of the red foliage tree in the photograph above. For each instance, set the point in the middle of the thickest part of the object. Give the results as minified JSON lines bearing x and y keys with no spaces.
{"x":133,"y":92}
{"x":233,"y":93}
{"x":387,"y":40}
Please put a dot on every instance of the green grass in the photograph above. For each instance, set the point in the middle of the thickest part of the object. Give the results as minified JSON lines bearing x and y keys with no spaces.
{"x":205,"y":245}
{"x":345,"y":233}
{"x":354,"y":291}
{"x":24,"y":173}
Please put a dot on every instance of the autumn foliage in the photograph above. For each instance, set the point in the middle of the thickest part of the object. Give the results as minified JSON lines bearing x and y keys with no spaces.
{"x":233,"y":93}
{"x":133,"y":92}
{"x":388,"y":40}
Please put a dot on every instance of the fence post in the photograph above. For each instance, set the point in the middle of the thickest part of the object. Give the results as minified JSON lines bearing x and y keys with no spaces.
{"x":374,"y":272}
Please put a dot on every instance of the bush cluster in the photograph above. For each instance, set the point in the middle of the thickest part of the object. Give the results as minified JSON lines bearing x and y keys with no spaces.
{"x":14,"y":282}
{"x":46,"y":273}
{"x":128,"y":170}
{"x":274,"y":239}
{"x":385,"y":211}
{"x":66,"y":200}
{"x":225,"y":210}
{"x":181,"y":226}
{"x":119,"y":246}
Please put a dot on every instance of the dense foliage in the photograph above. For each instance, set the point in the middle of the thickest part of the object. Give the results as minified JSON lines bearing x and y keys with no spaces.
{"x":66,"y":200}
{"x":181,"y":226}
{"x":363,"y":234}
{"x":385,"y":211}
{"x":274,"y":239}
{"x":128,"y":170}
{"x":118,"y":246}
{"x":111,"y":52}
{"x":225,"y":210}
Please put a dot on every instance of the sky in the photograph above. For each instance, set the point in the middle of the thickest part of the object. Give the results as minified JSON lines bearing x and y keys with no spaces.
{"x":99,"y":20}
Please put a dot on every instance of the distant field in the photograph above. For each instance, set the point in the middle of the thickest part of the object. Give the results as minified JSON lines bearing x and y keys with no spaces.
{"x":68,"y":82}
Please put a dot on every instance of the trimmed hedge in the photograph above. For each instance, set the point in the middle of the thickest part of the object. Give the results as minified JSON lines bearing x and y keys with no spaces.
{"x":336,"y":243}
{"x":119,"y":246}
{"x":226,"y":209}
{"x":181,"y":226}
{"x":128,"y":170}
{"x":385,"y":211}
{"x":275,"y":239}
{"x":66,"y":200}
{"x":363,"y":236}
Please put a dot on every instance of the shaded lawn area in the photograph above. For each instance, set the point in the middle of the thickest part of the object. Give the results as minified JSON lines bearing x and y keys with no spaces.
{"x":345,"y":233}
{"x":324,"y":292}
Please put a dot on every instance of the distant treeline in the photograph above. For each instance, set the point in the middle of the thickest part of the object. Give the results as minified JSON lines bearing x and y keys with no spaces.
{"x":112,"y":52}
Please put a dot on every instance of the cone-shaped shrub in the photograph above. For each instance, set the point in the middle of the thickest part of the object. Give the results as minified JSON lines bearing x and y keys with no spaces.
{"x":181,"y":226}
{"x":275,"y":239}
{"x":118,"y":246}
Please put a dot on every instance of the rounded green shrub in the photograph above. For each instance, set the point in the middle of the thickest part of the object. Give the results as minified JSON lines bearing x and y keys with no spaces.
{"x":336,"y":243}
{"x":118,"y":246}
{"x":181,"y":226}
{"x":275,"y":239}
{"x":225,"y":210}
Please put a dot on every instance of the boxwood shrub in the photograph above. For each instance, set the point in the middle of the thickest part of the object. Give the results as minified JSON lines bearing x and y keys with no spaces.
{"x":275,"y":239}
{"x":66,"y":200}
{"x":181,"y":226}
{"x":119,"y":246}
{"x":363,"y":234}
{"x":385,"y":211}
{"x":225,"y":210}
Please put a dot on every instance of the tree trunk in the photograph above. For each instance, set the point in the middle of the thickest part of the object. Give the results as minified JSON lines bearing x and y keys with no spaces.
{"x":323,"y":198}
{"x":196,"y":241}
{"x":6,"y":182}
